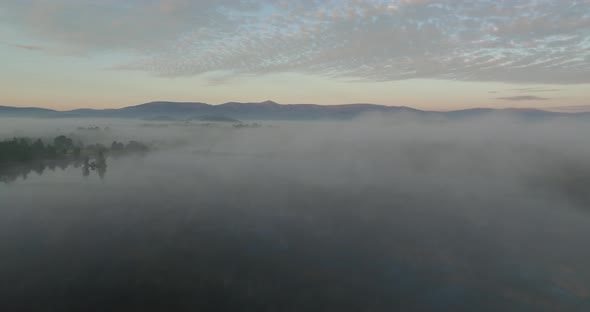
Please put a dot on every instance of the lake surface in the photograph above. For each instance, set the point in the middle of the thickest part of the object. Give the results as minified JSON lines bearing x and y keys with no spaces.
{"x":246,"y":227}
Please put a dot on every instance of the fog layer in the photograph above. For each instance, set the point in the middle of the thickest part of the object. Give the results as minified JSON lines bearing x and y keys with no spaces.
{"x":375,"y":214}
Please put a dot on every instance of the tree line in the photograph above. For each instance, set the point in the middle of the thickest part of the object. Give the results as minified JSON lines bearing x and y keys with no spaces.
{"x":22,"y":150}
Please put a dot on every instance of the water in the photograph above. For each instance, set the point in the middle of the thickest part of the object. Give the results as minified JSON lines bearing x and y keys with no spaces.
{"x":228,"y":227}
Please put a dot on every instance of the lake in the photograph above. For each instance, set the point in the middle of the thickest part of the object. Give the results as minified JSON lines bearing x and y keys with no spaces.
{"x":251,"y":225}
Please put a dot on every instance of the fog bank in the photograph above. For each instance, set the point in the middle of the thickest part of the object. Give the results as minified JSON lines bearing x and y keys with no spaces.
{"x":375,"y":214}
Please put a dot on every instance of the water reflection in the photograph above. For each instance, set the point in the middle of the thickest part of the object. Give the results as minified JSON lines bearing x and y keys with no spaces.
{"x":101,"y":172}
{"x":10,"y":174}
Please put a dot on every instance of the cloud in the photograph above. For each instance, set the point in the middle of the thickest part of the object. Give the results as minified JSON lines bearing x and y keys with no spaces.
{"x":528,"y":90}
{"x":523,"y":98}
{"x":544,"y":41}
{"x":534,"y":90}
{"x":138,"y":25}
{"x":29,"y":47}
{"x":218,"y":78}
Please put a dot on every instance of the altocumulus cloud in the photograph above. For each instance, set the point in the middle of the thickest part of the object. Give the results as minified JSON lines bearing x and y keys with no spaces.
{"x":522,"y":98}
{"x":544,"y":41}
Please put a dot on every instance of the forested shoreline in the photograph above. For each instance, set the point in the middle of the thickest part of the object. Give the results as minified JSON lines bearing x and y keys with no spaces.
{"x":20,"y":156}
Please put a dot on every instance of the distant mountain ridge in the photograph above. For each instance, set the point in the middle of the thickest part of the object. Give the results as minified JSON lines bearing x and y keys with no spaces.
{"x":25,"y":111}
{"x":267,"y":110}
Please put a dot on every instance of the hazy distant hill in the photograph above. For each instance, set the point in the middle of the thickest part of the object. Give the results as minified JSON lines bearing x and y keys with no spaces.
{"x":267,"y":110}
{"x":10,"y":111}
{"x":215,"y":118}
{"x":571,"y":109}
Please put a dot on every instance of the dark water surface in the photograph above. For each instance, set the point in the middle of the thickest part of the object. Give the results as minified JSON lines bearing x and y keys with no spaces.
{"x":199,"y":231}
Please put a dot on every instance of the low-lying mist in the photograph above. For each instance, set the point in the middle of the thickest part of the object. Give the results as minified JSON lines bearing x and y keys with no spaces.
{"x":374,"y":214}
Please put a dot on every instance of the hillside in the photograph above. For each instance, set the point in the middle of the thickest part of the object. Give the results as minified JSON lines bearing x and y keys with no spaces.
{"x":268,"y":110}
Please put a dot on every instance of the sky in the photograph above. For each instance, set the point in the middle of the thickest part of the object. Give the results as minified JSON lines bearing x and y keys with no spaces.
{"x":428,"y":54}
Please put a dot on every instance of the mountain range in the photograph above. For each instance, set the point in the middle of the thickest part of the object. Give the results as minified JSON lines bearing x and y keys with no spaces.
{"x":267,"y":110}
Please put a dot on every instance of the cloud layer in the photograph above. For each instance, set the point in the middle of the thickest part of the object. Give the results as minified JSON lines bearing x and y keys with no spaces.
{"x":522,"y":98}
{"x":523,"y":41}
